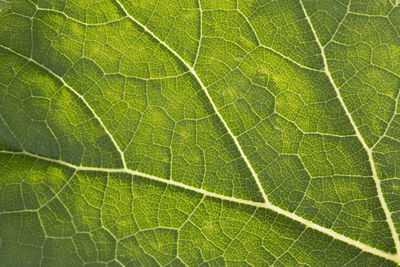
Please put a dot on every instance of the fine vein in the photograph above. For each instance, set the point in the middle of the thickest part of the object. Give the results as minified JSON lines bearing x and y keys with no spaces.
{"x":266,"y":205}
{"x":358,"y":134}
{"x":191,"y":69}
{"x":77,"y":94}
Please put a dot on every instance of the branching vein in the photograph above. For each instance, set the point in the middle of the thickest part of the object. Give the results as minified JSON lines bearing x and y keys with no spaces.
{"x":266,"y":204}
{"x":307,"y":223}
{"x":77,"y":94}
{"x":360,"y":137}
{"x":191,"y":69}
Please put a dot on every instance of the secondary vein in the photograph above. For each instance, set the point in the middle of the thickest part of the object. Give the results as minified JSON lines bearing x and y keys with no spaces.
{"x":307,"y":223}
{"x":369,"y":151}
{"x":77,"y":94}
{"x":267,"y":204}
{"x":193,"y":72}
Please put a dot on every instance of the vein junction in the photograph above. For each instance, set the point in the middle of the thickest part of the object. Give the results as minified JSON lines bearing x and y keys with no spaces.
{"x":385,"y":208}
{"x":327,"y":72}
{"x":266,"y":205}
{"x":193,"y":72}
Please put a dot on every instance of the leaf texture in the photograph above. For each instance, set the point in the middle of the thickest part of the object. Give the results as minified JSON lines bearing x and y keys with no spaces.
{"x":187,"y":133}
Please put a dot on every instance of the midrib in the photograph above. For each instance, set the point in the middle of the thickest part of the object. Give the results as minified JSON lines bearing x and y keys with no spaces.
{"x":307,"y":223}
{"x":359,"y":136}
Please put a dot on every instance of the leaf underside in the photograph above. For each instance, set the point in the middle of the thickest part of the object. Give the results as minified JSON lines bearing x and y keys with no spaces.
{"x":243,"y":132}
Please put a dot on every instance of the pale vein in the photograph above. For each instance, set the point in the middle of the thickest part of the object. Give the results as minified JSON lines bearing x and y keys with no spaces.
{"x":362,"y":141}
{"x":77,"y":94}
{"x":191,"y":69}
{"x":307,"y":223}
{"x":267,"y":204}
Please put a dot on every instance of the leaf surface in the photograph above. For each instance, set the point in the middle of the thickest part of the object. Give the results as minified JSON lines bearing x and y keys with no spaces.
{"x":199,"y":132}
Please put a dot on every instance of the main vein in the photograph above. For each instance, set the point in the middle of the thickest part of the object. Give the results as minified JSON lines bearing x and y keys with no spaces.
{"x":359,"y":136}
{"x":193,"y":72}
{"x":266,"y":204}
{"x":307,"y":223}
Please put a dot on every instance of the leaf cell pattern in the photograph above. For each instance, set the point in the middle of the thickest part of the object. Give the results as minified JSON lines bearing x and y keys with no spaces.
{"x":188,"y":133}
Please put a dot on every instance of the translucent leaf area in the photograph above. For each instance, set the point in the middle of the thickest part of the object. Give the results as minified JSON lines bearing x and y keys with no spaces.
{"x":199,"y":132}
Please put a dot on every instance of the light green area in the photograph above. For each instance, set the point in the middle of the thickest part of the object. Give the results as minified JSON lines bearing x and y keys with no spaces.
{"x":220,"y":102}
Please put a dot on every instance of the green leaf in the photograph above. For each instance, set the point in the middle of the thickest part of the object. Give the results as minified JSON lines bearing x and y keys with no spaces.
{"x":146,"y":132}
